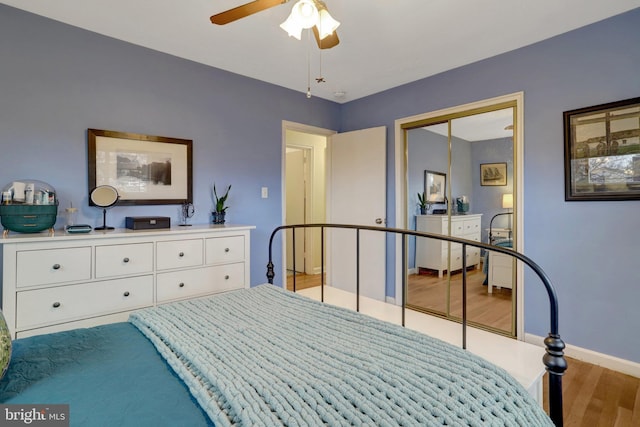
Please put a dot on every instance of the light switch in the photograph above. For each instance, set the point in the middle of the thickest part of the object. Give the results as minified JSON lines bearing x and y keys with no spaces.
{"x":265,"y":192}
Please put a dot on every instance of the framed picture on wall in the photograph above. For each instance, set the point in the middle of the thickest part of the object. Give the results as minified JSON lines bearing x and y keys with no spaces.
{"x":493,"y":174}
{"x":145,"y":169}
{"x":435,"y":186}
{"x":602,"y":152}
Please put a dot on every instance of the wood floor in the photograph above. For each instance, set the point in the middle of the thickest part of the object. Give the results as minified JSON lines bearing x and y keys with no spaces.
{"x":598,"y":397}
{"x":593,"y":396}
{"x":427,"y":291}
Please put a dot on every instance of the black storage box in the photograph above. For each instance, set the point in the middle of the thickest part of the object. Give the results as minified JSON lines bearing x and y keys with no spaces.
{"x":147,"y":222}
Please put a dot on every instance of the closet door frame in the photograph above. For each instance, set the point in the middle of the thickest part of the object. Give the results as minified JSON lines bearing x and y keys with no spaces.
{"x":401,"y":185}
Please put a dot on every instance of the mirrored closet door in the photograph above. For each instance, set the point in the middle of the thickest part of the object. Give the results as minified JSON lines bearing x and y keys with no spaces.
{"x":460,"y":182}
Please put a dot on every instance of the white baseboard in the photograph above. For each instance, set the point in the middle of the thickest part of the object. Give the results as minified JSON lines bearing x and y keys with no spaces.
{"x":606,"y":361}
{"x":412,"y":271}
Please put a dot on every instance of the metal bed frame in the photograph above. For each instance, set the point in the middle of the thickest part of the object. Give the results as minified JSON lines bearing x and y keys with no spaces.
{"x":553,"y":359}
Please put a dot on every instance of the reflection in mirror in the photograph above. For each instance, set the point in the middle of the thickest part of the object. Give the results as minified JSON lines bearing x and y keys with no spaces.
{"x":488,"y":139}
{"x":427,"y":156}
{"x":458,"y":147}
{"x":104,"y":196}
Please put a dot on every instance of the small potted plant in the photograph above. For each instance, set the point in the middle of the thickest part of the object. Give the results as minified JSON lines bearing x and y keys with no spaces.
{"x":422,"y":202}
{"x":220,"y":205}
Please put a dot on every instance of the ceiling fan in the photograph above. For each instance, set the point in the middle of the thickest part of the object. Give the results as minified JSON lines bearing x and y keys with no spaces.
{"x":305,"y":14}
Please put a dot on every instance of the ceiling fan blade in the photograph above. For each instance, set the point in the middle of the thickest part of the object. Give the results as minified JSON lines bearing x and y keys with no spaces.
{"x":328,"y":42}
{"x":247,"y":9}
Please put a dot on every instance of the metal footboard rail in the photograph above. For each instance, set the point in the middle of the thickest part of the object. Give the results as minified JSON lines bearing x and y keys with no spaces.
{"x":553,"y":359}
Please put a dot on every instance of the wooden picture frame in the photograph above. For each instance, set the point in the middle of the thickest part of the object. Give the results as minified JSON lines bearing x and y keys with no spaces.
{"x":145,"y":169}
{"x":493,"y":174}
{"x":602,"y":152}
{"x":435,"y":187}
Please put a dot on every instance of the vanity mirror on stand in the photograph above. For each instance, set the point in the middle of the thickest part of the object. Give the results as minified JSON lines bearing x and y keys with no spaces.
{"x":104,"y":196}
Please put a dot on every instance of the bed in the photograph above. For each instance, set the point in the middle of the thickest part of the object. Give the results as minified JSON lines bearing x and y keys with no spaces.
{"x":266,"y":356}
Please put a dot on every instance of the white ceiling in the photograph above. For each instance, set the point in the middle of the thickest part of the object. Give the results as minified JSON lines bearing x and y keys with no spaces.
{"x":383,"y":43}
{"x":478,"y":127}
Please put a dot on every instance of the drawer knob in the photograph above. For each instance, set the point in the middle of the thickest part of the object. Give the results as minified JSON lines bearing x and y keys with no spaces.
{"x":56,"y":304}
{"x":226,"y":249}
{"x":181,"y":285}
{"x":181,"y":254}
{"x":126,"y":294}
{"x":226,"y":277}
{"x":125,"y":260}
{"x":56,"y":266}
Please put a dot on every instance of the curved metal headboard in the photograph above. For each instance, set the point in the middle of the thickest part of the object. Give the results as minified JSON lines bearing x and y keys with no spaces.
{"x":553,"y":359}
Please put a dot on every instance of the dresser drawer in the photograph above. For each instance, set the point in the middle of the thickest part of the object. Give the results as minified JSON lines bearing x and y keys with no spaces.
{"x":225,"y":249}
{"x":456,"y":258}
{"x":457,"y":227}
{"x":123,"y":260}
{"x":49,"y":306}
{"x":472,"y":252}
{"x":471,"y":226}
{"x":178,"y":254}
{"x":189,"y":283}
{"x":53,"y":266}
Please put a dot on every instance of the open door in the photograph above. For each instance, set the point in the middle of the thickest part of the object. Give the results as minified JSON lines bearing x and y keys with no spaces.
{"x":356,"y":194}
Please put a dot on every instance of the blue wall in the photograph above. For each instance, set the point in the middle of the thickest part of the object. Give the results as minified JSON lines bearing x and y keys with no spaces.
{"x":56,"y":81}
{"x":589,"y":249}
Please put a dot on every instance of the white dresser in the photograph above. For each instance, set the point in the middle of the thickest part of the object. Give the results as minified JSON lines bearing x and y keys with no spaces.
{"x":434,"y":254}
{"x":66,"y":281}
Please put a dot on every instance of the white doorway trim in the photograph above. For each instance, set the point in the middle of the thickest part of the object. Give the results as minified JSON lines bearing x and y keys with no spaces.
{"x":401,"y":191}
{"x":298,"y":127}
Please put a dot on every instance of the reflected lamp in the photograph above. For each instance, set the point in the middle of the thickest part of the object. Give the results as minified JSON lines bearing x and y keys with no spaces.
{"x":507,"y":201}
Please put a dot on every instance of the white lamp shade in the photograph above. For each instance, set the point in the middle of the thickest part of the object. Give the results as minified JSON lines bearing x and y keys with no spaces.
{"x":326,"y":24}
{"x":306,"y":13}
{"x":292,"y":27}
{"x":303,"y":15}
{"x":507,"y":201}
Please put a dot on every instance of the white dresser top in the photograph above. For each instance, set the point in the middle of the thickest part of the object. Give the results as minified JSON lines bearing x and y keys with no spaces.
{"x":467,"y":215}
{"x":61,"y":235}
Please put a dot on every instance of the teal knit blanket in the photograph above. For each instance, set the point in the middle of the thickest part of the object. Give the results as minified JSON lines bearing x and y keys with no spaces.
{"x":268,"y":357}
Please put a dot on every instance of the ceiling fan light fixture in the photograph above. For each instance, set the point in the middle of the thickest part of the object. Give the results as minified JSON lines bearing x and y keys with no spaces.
{"x":305,"y":13}
{"x":292,"y":27}
{"x":326,"y":23}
